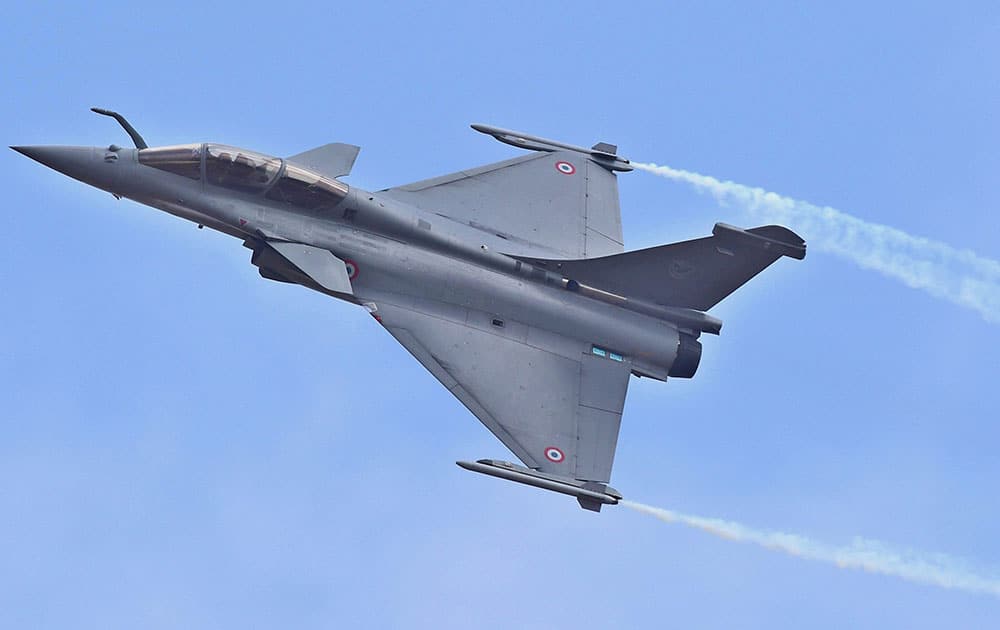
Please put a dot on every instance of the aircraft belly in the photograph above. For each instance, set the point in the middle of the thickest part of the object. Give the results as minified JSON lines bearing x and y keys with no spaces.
{"x":427,"y":282}
{"x":385,"y":268}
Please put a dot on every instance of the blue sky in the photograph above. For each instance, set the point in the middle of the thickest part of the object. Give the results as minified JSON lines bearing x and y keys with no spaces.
{"x":188,"y":445}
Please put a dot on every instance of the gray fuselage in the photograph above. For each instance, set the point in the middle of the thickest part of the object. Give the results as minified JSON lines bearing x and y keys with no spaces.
{"x":400,"y":255}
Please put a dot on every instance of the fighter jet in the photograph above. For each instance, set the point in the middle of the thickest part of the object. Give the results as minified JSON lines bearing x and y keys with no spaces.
{"x":509,"y":282}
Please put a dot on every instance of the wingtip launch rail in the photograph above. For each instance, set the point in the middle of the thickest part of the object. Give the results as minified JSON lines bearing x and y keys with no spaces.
{"x":602,"y":153}
{"x":590,"y":495}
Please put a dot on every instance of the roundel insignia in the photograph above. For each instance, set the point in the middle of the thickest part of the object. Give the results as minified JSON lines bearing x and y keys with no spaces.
{"x":680,"y":269}
{"x":565,"y":168}
{"x":352,"y":268}
{"x":554,"y":455}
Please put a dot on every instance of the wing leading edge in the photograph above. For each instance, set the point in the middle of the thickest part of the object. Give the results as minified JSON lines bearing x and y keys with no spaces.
{"x":562,"y":202}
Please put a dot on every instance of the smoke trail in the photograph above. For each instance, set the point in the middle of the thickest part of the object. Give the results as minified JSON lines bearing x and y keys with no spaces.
{"x":872,"y":556}
{"x":959,"y":276}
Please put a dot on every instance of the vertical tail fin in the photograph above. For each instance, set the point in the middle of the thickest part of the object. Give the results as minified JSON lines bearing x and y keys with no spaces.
{"x":696,"y":274}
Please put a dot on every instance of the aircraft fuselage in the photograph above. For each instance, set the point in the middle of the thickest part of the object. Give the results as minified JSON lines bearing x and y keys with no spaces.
{"x":397,"y":254}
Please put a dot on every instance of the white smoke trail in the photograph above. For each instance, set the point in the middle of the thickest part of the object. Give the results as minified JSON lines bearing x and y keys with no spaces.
{"x":872,"y":556}
{"x":957,"y":275}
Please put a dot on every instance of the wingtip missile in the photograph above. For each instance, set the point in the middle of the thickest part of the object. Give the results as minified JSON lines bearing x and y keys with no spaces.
{"x":602,"y":153}
{"x":590,"y":495}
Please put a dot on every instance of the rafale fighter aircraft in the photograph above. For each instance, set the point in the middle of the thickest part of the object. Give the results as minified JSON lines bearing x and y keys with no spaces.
{"x":509,"y":282}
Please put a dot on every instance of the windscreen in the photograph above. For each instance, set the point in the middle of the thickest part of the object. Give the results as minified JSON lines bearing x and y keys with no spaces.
{"x":180,"y":159}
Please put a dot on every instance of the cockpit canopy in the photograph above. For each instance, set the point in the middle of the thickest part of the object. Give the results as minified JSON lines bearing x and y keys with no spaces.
{"x":239,"y":169}
{"x":248,"y":172}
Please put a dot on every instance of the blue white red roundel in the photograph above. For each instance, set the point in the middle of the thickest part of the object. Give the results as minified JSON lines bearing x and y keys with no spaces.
{"x":554,"y":455}
{"x":352,"y":268}
{"x":565,"y":168}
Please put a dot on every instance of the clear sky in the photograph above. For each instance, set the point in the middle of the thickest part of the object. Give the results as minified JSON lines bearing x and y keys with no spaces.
{"x":186,"y":445}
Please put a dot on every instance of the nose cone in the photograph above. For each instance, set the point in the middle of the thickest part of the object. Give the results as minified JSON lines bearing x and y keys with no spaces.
{"x":86,"y":164}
